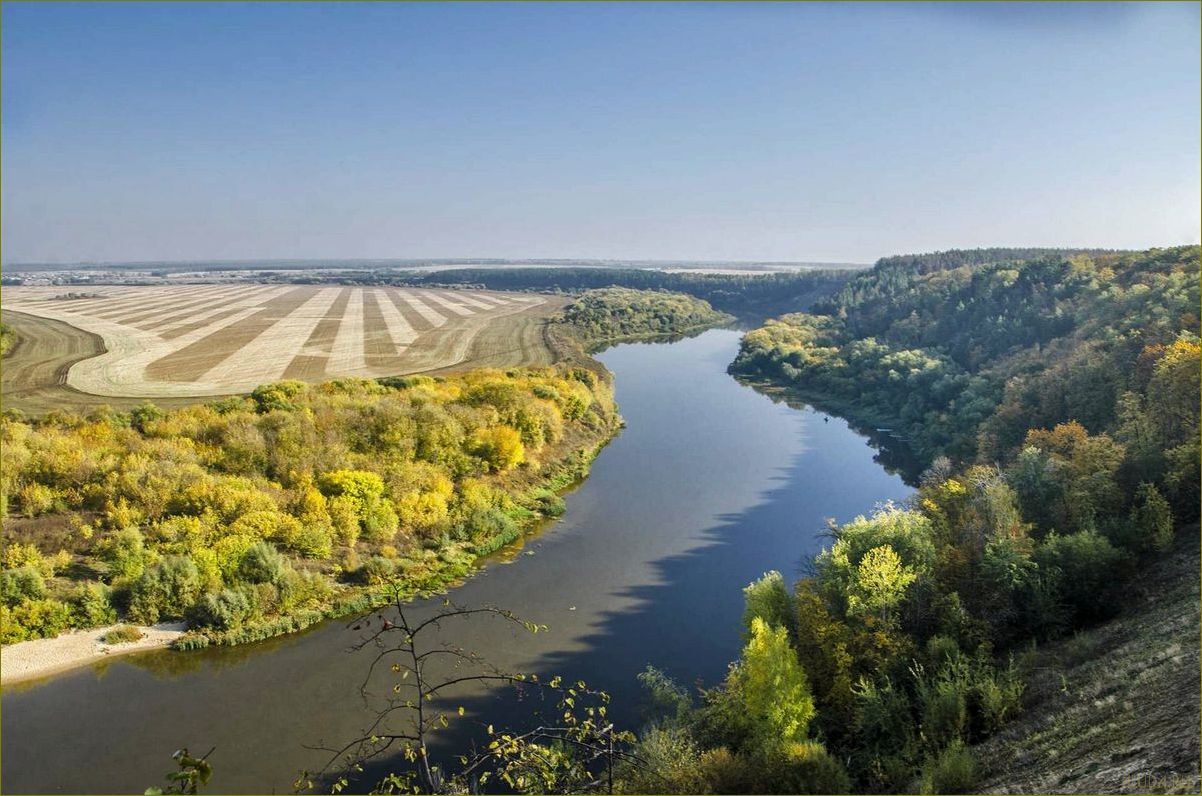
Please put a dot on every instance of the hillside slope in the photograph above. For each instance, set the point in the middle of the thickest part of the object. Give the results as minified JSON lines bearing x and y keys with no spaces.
{"x":1125,"y":716}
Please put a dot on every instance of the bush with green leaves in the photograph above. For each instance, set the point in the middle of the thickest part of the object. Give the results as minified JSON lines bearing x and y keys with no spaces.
{"x":125,"y":554}
{"x":377,"y":570}
{"x":227,"y":609}
{"x":43,"y":618}
{"x":1083,"y":566}
{"x":951,"y":770}
{"x":805,"y":767}
{"x":767,"y":599}
{"x":262,"y":563}
{"x":94,"y":605}
{"x":123,"y":634}
{"x":770,"y":688}
{"x":1150,"y":525}
{"x":21,"y":584}
{"x":668,"y":761}
{"x":165,"y":591}
{"x":884,"y":735}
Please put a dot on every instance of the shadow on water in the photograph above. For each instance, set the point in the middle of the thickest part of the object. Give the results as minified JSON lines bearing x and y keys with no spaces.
{"x":685,"y":619}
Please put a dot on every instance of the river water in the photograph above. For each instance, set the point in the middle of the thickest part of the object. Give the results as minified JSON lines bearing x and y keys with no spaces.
{"x":710,"y":484}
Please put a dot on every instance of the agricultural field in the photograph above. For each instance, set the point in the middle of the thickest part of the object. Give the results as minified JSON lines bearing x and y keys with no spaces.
{"x":210,"y":340}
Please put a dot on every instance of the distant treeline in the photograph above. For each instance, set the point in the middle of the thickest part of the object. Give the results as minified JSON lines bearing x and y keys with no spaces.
{"x":892,"y":274}
{"x":761,"y":294}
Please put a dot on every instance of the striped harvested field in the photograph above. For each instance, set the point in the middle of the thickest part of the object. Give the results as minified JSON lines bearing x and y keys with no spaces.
{"x":206,"y":340}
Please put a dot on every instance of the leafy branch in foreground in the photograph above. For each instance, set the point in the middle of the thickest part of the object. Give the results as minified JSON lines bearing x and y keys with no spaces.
{"x":193,"y":772}
{"x":576,"y":752}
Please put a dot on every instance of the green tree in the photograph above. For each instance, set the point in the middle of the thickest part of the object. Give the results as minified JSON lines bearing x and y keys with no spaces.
{"x":1151,"y":522}
{"x":770,"y":688}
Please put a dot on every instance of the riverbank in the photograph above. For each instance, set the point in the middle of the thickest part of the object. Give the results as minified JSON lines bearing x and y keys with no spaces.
{"x":896,"y":454}
{"x":441,"y":570}
{"x":29,"y":660}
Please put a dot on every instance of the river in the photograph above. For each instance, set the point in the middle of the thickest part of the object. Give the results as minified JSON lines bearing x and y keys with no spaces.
{"x":709,"y":485}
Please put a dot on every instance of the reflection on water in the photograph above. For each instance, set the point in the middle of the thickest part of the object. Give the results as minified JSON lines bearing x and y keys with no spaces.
{"x":709,"y":485}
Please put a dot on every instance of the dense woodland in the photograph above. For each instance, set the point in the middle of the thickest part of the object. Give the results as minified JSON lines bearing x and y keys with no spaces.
{"x":1057,"y":399}
{"x":251,"y":516}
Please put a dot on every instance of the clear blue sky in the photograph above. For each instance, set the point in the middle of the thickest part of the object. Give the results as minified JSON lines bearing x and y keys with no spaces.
{"x":715,"y":131}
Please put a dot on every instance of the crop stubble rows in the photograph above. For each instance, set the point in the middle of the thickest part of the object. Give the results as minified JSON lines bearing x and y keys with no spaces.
{"x":206,"y":340}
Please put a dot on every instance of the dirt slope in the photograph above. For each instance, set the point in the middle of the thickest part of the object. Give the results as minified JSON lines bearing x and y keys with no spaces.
{"x":1114,"y":709}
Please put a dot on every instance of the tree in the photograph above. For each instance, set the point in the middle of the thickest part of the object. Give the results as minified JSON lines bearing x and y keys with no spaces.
{"x":577,"y":752}
{"x":770,"y":688}
{"x":1151,"y":523}
{"x":500,"y":447}
{"x":769,"y":600}
{"x":880,"y":583}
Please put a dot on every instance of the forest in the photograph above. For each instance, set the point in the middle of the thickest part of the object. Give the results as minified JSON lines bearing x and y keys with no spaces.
{"x":1056,"y":400}
{"x":256,"y":515}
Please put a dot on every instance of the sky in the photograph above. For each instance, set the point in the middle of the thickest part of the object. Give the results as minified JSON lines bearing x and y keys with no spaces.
{"x":801,"y":132}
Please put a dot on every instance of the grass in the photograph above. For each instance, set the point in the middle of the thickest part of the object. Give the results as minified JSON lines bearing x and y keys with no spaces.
{"x":1113,"y":708}
{"x":123,"y":634}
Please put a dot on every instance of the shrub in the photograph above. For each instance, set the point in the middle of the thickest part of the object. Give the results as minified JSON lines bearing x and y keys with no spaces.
{"x":273,"y":525}
{"x":380,"y":521}
{"x":21,"y":584}
{"x":123,"y":634}
{"x":125,"y":554}
{"x":377,"y":570}
{"x":771,"y":688}
{"x":18,"y":555}
{"x":769,"y":600}
{"x":279,"y":395}
{"x":312,"y":541}
{"x":262,"y":563}
{"x":344,"y":516}
{"x":486,"y":523}
{"x":36,"y":499}
{"x":1083,"y":565}
{"x":727,"y":772}
{"x":549,"y":504}
{"x":94,"y":605}
{"x":944,"y":705}
{"x":224,"y":610}
{"x":500,"y":447}
{"x":952,"y":770}
{"x":33,"y":619}
{"x":884,"y":729}
{"x":165,"y":591}
{"x":666,"y":700}
{"x":669,"y":762}
{"x":806,"y":767}
{"x":303,"y":590}
{"x":1151,"y":523}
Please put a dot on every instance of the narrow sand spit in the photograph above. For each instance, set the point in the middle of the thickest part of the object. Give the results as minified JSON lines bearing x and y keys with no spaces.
{"x":43,"y":656}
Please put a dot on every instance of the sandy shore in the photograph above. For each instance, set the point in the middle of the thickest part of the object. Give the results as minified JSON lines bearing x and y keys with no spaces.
{"x":44,"y":656}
